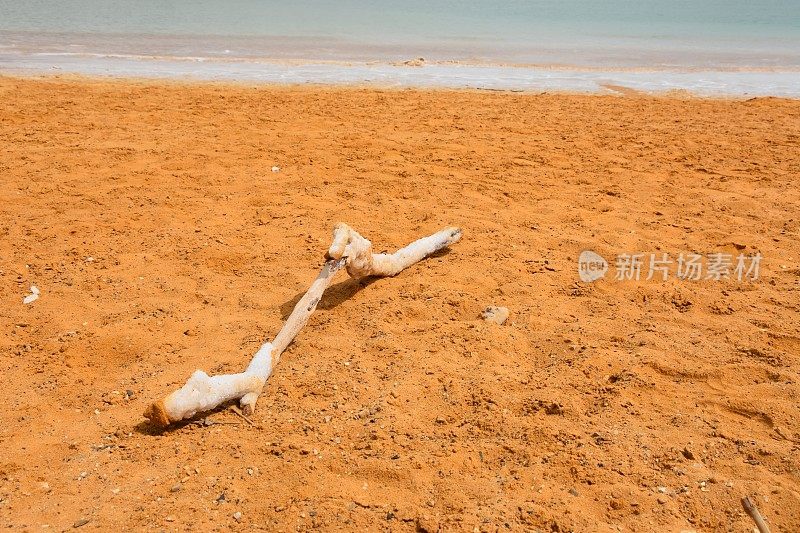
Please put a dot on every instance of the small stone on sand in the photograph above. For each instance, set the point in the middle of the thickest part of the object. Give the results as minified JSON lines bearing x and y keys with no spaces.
{"x":498,"y":315}
{"x":33,"y":296}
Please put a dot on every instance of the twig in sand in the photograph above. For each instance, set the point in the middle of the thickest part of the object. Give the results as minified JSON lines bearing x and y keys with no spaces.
{"x":243,"y":417}
{"x":752,"y":510}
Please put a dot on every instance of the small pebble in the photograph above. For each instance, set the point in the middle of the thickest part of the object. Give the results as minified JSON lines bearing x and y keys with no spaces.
{"x":176,"y":487}
{"x":80,"y":522}
{"x":237,"y":516}
{"x":662,"y":500}
{"x":497,"y":315}
{"x":276,"y":169}
{"x":33,"y":296}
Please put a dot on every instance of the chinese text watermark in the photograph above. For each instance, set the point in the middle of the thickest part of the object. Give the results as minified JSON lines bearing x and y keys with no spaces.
{"x":659,"y":266}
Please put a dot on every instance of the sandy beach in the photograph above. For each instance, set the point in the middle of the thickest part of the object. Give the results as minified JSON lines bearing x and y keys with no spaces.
{"x":148,"y":216}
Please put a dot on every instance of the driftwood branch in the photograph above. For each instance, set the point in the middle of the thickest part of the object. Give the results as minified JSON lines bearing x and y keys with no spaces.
{"x":350,"y":250}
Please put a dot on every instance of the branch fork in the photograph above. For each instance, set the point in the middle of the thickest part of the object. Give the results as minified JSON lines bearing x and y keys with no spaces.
{"x":348,"y":250}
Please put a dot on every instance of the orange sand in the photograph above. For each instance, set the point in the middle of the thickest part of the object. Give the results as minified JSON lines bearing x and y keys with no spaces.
{"x":162,"y":242}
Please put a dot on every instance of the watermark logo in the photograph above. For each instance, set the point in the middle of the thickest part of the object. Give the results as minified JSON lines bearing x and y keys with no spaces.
{"x":591,"y":266}
{"x":659,"y":266}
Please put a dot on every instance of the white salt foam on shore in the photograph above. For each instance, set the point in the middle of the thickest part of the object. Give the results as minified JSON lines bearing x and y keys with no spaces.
{"x":446,"y":75}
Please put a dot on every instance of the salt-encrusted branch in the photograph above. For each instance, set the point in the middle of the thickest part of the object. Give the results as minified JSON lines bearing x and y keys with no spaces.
{"x":362,"y":262}
{"x":203,"y":392}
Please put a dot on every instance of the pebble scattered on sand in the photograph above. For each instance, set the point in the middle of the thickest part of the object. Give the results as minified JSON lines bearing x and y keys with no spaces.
{"x":80,"y":522}
{"x":276,"y":169}
{"x":237,"y":516}
{"x":33,"y":296}
{"x":498,"y":315}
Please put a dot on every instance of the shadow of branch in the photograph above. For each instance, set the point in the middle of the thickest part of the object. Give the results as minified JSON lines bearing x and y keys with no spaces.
{"x":335,"y":295}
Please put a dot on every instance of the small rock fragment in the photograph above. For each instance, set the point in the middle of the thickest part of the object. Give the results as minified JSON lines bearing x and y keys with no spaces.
{"x":80,"y":522}
{"x":498,"y":315}
{"x":33,"y":296}
{"x":426,"y":525}
{"x":276,"y":169}
{"x":176,"y":487}
{"x":237,"y":516}
{"x":662,"y":500}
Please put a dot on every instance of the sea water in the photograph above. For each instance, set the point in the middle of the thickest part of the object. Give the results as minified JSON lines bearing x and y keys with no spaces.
{"x":734,"y":47}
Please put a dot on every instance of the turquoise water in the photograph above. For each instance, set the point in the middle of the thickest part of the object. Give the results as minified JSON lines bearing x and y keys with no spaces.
{"x":584,"y":35}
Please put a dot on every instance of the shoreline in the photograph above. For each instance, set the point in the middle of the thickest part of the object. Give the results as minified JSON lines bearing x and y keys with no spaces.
{"x":703,"y":67}
{"x":606,"y":90}
{"x":717,"y":83}
{"x":412,"y":62}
